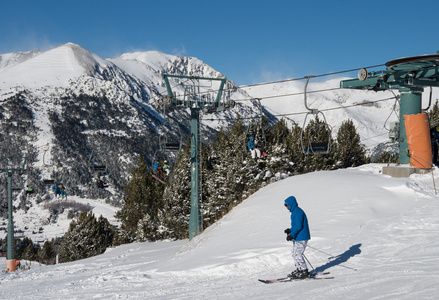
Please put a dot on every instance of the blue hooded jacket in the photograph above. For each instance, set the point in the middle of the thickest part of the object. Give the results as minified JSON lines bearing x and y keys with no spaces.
{"x":299,"y":222}
{"x":251,"y":143}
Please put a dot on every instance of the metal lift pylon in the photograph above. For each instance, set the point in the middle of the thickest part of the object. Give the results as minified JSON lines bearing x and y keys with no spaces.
{"x":197,"y":102}
{"x":11,"y":164}
{"x":409,"y":75}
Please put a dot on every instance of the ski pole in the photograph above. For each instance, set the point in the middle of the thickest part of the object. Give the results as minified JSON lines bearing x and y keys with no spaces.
{"x":307,"y":260}
{"x":329,"y":258}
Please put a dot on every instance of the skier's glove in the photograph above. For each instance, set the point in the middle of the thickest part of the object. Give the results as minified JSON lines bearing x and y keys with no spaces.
{"x":287,"y":231}
{"x":289,"y":238}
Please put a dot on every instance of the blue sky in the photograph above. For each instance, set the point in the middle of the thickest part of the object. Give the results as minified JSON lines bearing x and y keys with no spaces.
{"x":248,"y":41}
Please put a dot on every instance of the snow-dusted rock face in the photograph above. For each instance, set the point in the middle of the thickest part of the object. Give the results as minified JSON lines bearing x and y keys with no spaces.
{"x":11,"y":59}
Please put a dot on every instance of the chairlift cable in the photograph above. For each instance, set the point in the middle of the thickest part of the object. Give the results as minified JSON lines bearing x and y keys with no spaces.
{"x":301,"y":113}
{"x":291,"y":79}
{"x":302,"y":78}
{"x":287,"y":95}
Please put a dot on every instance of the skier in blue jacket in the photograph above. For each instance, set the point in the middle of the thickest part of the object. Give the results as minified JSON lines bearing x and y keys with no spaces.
{"x":299,"y":234}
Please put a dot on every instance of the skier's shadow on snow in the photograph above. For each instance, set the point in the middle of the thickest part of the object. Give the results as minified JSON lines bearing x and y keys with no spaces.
{"x":340,"y":259}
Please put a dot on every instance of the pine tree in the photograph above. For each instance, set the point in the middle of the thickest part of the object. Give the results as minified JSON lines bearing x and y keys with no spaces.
{"x":177,"y":197}
{"x":47,"y":253}
{"x":386,"y":158}
{"x":233,"y":176}
{"x":30,"y":252}
{"x":280,"y":143}
{"x":349,"y":152}
{"x":317,"y":132}
{"x":86,"y":237}
{"x":20,"y":247}
{"x":433,"y":114}
{"x":143,"y":195}
{"x":150,"y":230}
{"x":295,"y":151}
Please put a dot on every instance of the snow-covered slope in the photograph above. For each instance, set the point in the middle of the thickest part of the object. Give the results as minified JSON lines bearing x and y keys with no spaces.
{"x":8,"y":60}
{"x":375,"y":234}
{"x":54,"y":67}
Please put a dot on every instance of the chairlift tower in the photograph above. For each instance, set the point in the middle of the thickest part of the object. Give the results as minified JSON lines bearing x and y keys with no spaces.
{"x":197,"y":101}
{"x":409,"y":76}
{"x":11,"y":164}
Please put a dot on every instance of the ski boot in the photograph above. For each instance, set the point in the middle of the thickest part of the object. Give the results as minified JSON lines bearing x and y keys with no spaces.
{"x":299,"y":274}
{"x":294,"y":273}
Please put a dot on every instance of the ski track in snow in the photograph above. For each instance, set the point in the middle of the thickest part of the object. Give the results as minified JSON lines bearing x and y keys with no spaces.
{"x":381,"y":231}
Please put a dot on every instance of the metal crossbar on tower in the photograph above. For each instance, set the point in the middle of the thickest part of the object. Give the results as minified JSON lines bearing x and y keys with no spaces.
{"x":11,"y":164}
{"x":409,"y":75}
{"x":198,"y":101}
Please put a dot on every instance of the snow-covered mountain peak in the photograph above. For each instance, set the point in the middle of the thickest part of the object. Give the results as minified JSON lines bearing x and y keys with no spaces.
{"x":150,"y":57}
{"x":54,"y":67}
{"x":88,"y":60}
{"x":158,"y":62}
{"x":8,"y":60}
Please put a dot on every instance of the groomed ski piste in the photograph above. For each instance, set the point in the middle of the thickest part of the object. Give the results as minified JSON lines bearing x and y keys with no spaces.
{"x":382,"y":231}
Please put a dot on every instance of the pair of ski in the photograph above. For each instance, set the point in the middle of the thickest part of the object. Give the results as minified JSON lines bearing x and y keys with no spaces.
{"x":156,"y":177}
{"x":319,"y":275}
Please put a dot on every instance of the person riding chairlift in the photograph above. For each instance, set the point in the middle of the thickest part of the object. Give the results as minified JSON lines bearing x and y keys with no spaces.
{"x":252,"y":145}
{"x":100,"y":183}
{"x":158,"y":169}
{"x":29,"y":191}
{"x":166,"y":167}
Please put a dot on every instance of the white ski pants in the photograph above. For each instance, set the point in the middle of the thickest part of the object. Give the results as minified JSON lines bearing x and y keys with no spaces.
{"x":256,"y":153}
{"x":298,"y":249}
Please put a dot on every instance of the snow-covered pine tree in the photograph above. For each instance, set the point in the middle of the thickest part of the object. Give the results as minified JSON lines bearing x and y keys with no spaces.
{"x":47,"y":253}
{"x":143,"y":195}
{"x":231,"y":176}
{"x":295,"y":151}
{"x":85,"y":238}
{"x":149,"y":230}
{"x":349,"y":151}
{"x":177,"y":197}
{"x":279,"y":147}
{"x":433,"y":114}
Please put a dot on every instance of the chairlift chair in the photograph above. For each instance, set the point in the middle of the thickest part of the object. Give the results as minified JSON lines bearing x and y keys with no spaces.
{"x":165,"y":142}
{"x":48,"y":181}
{"x":172,"y":146}
{"x":256,"y":130}
{"x":99,"y":168}
{"x":316,"y":140}
{"x":166,"y":145}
